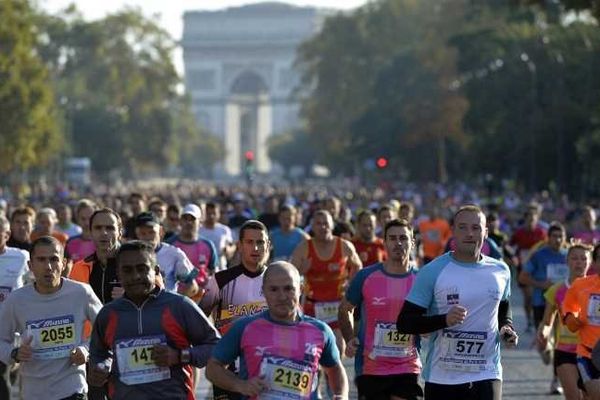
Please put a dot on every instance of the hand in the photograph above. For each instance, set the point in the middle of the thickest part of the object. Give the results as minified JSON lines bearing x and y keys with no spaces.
{"x":509,"y":336}
{"x":351,"y":347}
{"x":252,"y":387}
{"x":547,"y":284}
{"x":117,"y":292}
{"x":542,"y":337}
{"x":78,"y":355}
{"x":165,"y":356}
{"x":456,"y":315}
{"x":98,"y":375}
{"x":25,"y":352}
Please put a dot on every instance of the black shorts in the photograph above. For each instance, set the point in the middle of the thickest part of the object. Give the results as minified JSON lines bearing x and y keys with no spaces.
{"x":381,"y":387}
{"x":490,"y":389}
{"x":587,"y":371}
{"x":564,"y":357}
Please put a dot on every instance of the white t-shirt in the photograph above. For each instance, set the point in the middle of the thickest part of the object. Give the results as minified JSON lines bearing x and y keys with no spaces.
{"x":14,"y":271}
{"x":174,"y":265}
{"x":220,"y":235}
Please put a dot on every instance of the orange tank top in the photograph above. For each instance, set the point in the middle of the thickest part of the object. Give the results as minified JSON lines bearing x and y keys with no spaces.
{"x":325,"y":279}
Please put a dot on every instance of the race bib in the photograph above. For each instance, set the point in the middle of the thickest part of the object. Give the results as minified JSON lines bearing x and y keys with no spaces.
{"x":593,"y":313}
{"x":327,"y":311}
{"x":557,"y":272}
{"x":52,"y":337}
{"x":287,"y":378}
{"x":464,"y":351}
{"x":391,"y":343}
{"x":4,"y":292}
{"x":134,"y":357}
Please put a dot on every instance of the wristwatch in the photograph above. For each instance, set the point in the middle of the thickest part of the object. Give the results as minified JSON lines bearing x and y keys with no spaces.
{"x":185,"y":356}
{"x":13,"y":354}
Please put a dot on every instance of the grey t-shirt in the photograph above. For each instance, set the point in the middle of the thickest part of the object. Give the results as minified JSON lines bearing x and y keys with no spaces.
{"x":56,"y":323}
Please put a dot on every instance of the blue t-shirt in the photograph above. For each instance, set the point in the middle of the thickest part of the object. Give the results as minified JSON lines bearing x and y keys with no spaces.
{"x":546,"y":264}
{"x":285,"y":243}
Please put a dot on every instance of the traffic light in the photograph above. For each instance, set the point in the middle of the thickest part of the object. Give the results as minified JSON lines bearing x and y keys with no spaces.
{"x":249,"y":167}
{"x":249,"y":156}
{"x":382,"y":162}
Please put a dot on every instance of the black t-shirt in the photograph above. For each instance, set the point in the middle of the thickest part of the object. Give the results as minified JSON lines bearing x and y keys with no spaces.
{"x":103,"y":278}
{"x":12,"y":242}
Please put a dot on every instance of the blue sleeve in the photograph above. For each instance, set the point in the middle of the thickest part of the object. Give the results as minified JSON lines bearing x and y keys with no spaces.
{"x":354,"y":292}
{"x":228,"y":348}
{"x":421,"y":294}
{"x":494,"y":250}
{"x":331,"y":355}
{"x":214,"y":257}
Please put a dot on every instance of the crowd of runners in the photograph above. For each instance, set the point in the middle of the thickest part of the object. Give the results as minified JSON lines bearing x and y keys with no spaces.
{"x":125,"y":295}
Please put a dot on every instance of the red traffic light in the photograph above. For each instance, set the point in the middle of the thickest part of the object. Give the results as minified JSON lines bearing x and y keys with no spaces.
{"x":249,"y":155}
{"x":382,"y":162}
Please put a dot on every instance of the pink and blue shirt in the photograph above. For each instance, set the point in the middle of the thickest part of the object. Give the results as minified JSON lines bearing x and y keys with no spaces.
{"x":382,"y":349}
{"x":287,"y":355}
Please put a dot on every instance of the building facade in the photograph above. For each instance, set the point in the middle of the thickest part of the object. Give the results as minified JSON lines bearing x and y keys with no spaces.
{"x":239,"y":72}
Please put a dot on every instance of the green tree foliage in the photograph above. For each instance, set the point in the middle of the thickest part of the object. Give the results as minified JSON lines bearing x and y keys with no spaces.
{"x":292,"y":149}
{"x":29,"y":134}
{"x":118,"y":85}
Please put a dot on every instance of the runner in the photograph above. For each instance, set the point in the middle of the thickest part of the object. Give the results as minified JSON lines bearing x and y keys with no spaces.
{"x":174,"y":265}
{"x":588,"y":232}
{"x":327,"y":262}
{"x":65,"y":223}
{"x":466,"y":320}
{"x":49,"y":315}
{"x":435,"y":232}
{"x":147,"y":342}
{"x":82,"y":246}
{"x":21,"y":226}
{"x":279,"y":349}
{"x":13,"y":275}
{"x":565,"y":342}
{"x":287,"y":236}
{"x":201,"y":252}
{"x":580,"y":313}
{"x":218,"y":233}
{"x":45,"y":223}
{"x":237,"y":292}
{"x":387,"y":364}
{"x":369,"y":247}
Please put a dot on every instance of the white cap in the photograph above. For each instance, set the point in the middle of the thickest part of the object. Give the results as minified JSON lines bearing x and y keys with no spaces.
{"x":193,"y":210}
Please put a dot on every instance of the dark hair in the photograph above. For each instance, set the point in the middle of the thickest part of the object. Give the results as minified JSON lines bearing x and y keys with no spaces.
{"x":287,"y":207}
{"x":253,"y":224}
{"x":45,"y":241}
{"x":137,"y":245}
{"x":174,"y":208}
{"x":363,"y":214}
{"x":211,"y":204}
{"x":556,"y":226}
{"x":344,"y":227}
{"x":402,"y":223}
{"x":110,"y":211}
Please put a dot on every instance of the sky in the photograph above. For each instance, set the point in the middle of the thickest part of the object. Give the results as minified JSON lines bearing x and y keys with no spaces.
{"x":171,"y":11}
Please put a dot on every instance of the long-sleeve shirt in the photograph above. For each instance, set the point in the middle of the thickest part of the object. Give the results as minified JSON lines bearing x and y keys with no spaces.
{"x":125,"y":333}
{"x":56,"y":323}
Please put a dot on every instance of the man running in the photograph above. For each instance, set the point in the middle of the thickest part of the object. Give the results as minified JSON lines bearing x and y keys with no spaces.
{"x":81,"y":246}
{"x":370,"y":248}
{"x":387,"y":363}
{"x":49,"y":315}
{"x":287,"y":236}
{"x":147,"y":342}
{"x":279,"y":349}
{"x":461,"y":298}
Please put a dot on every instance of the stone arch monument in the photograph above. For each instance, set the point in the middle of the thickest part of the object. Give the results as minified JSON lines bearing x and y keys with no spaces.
{"x":239,"y":72}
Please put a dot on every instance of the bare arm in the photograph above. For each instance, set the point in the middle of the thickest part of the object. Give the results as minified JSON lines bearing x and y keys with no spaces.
{"x":354,"y":264}
{"x":299,"y":258}
{"x":345,"y":321}
{"x":338,"y":381}
{"x":525,"y":278}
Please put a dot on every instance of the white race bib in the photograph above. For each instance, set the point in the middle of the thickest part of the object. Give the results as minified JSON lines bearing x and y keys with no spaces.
{"x":557,"y":272}
{"x":134,"y":357}
{"x":464,"y":351}
{"x":4,"y":292}
{"x":287,"y":378}
{"x":327,"y":311}
{"x":389,"y":342}
{"x":52,"y":337}
{"x":593,"y":311}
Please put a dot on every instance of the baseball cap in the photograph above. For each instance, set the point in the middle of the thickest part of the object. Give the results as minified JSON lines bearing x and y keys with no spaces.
{"x":193,"y":210}
{"x":146,"y":219}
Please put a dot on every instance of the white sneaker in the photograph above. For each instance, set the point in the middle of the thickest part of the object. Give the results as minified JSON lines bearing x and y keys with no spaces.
{"x":555,"y":387}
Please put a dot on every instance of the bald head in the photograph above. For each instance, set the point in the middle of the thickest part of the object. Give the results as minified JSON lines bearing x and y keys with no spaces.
{"x":282,"y":268}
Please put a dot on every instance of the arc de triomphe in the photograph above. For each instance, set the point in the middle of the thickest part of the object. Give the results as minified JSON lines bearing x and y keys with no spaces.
{"x":239,"y":72}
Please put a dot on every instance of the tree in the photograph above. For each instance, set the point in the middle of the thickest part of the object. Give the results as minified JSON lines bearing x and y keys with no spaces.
{"x":29,"y":131}
{"x":292,"y":149}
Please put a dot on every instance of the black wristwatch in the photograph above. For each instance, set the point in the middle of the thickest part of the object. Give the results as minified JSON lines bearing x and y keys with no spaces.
{"x":14,"y":353}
